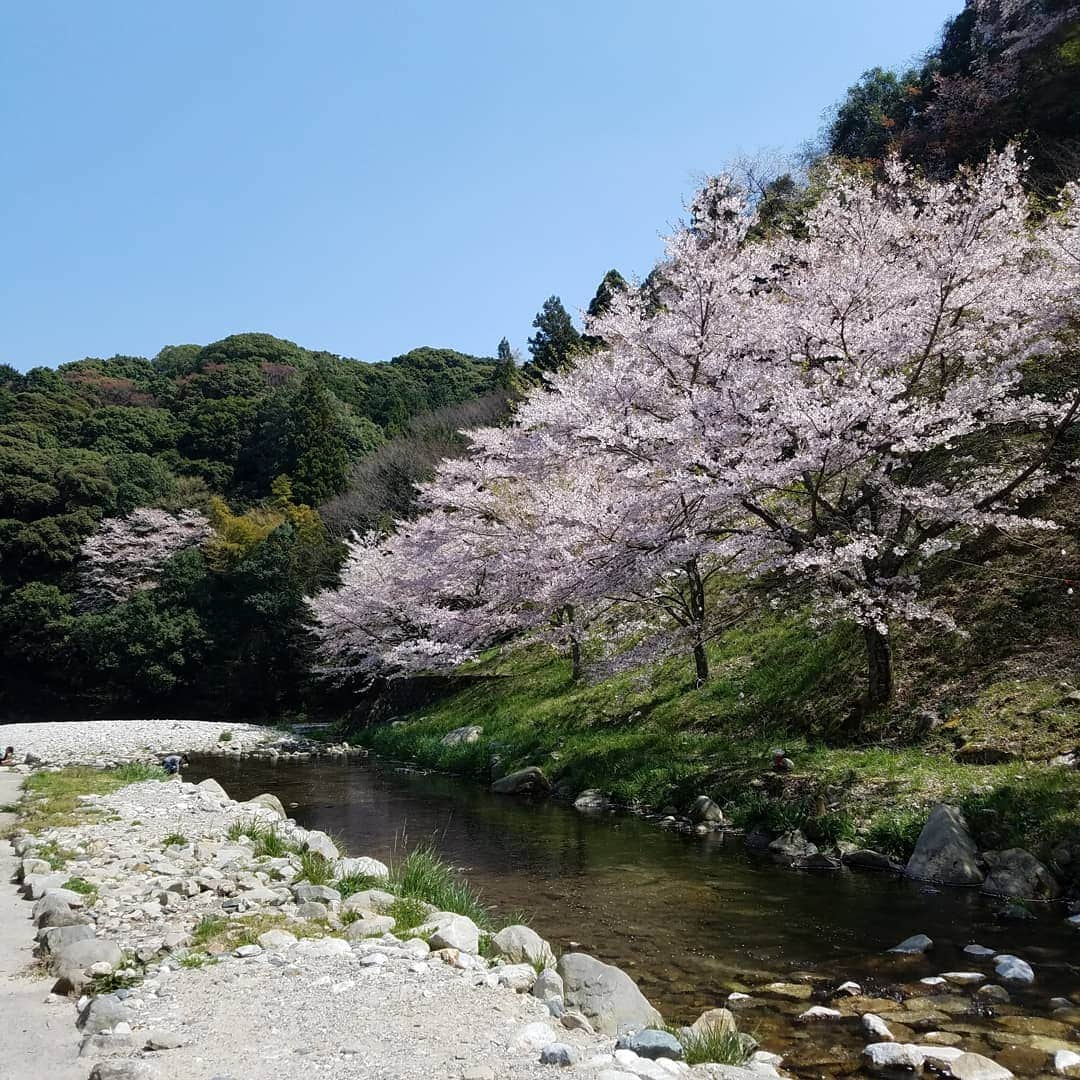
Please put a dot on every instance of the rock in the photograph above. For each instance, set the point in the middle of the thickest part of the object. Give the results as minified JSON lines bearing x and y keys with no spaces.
{"x":266,"y":801}
{"x":914,"y":945}
{"x":479,"y":1072}
{"x":369,"y":927}
{"x":792,"y":845}
{"x":606,"y":996}
{"x":463,"y":736}
{"x":892,"y":1058}
{"x":1014,"y":970}
{"x":1014,"y":913}
{"x":981,"y":753}
{"x":160,"y":1039}
{"x":517,"y":977}
{"x":1067,"y":1063}
{"x":245,"y":952}
{"x":978,"y":952}
{"x":703,"y":811}
{"x":977,"y":1067}
{"x":50,"y":903}
{"x":714,"y":1021}
{"x":71,"y":962}
{"x":819,"y":1012}
{"x":374,"y":900}
{"x":789,"y":991}
{"x":868,"y":859}
{"x":102,"y":1013}
{"x":321,"y":844}
{"x":528,"y":781}
{"x":945,"y":853}
{"x":55,"y":938}
{"x":212,"y":787}
{"x":592,"y":802}
{"x":574,"y":1021}
{"x":558,"y":1053}
{"x":123,"y":1070}
{"x":312,"y":909}
{"x":522,"y":945}
{"x":964,"y":978}
{"x":448,"y":930}
{"x":818,"y":863}
{"x":1018,"y":873}
{"x":326,"y":946}
{"x":548,"y":985}
{"x":363,"y":866}
{"x":652,"y":1043}
{"x":849,"y":989}
{"x":532,"y":1038}
{"x":35,"y":886}
{"x":319,"y":894}
{"x":277,"y":940}
{"x":876,"y":1028}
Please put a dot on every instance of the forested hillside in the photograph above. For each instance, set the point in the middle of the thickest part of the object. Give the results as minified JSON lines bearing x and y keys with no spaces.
{"x":250,"y":433}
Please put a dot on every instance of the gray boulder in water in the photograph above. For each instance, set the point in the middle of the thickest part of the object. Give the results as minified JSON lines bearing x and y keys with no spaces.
{"x":1018,"y":873}
{"x":527,"y":781}
{"x":945,"y":853}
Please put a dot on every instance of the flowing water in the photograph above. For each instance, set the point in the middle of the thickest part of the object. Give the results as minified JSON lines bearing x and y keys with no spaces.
{"x":691,"y":918}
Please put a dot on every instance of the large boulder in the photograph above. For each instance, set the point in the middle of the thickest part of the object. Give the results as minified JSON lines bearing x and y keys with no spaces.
{"x":363,"y":867}
{"x":792,"y":845}
{"x":54,"y":939}
{"x":317,"y":894}
{"x":321,"y":844}
{"x":1018,"y":873}
{"x":592,"y":801}
{"x":374,"y":900}
{"x":527,"y":781}
{"x":70,"y":963}
{"x":606,"y":996}
{"x":266,"y":801}
{"x":448,"y":930}
{"x":945,"y":853}
{"x":522,"y":945}
{"x":211,"y":787}
{"x":102,"y":1013}
{"x":704,"y":811}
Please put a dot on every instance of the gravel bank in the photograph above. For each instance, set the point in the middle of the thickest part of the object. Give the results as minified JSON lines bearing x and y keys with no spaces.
{"x":109,"y":742}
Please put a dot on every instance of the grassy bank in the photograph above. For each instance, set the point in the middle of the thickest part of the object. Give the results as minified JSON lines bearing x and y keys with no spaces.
{"x":651,"y":739}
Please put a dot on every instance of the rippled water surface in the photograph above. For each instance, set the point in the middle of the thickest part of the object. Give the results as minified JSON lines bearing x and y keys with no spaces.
{"x":691,"y":918}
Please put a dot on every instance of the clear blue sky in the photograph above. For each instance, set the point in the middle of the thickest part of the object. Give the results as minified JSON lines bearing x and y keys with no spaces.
{"x":366,"y":178}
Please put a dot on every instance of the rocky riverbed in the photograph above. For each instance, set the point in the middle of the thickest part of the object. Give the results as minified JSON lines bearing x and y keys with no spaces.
{"x":189,"y":949}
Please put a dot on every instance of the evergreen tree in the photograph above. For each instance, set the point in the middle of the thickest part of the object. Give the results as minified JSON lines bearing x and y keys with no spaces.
{"x":503,"y":376}
{"x":556,"y":339}
{"x":612,"y":284}
{"x":318,"y":445}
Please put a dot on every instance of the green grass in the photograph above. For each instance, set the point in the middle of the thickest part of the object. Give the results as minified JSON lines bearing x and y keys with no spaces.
{"x":175,"y":839}
{"x":315,"y":869}
{"x":651,"y":738}
{"x":51,"y":799}
{"x":408,"y":913}
{"x":195,"y":960}
{"x":354,"y":883}
{"x":225,"y":737}
{"x":423,"y":875}
{"x":56,"y":856}
{"x":269,"y":841}
{"x":81,"y":885}
{"x":714,"y":1045}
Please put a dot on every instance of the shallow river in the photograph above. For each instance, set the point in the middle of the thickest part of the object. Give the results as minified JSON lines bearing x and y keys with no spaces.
{"x":690,"y":918}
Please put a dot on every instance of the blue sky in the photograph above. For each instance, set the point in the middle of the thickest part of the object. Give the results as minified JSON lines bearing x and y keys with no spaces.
{"x":367,"y":178}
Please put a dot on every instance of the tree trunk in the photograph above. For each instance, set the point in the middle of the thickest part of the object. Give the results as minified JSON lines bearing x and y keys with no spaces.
{"x":879,"y":667}
{"x":701,"y":664}
{"x":697,"y":614}
{"x":575,"y":644}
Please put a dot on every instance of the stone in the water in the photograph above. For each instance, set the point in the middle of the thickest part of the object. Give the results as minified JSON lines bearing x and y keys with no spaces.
{"x":892,"y":1058}
{"x":790,"y":991}
{"x":819,"y":1012}
{"x":876,"y":1028}
{"x":1013,"y":969}
{"x":705,"y":811}
{"x":652,"y":1043}
{"x":914,"y":945}
{"x":992,"y":992}
{"x":850,"y":989}
{"x":528,"y":781}
{"x":606,"y":996}
{"x":977,"y":1067}
{"x":945,"y":852}
{"x":592,"y":801}
{"x":978,"y":952}
{"x":1067,"y":1063}
{"x":1019,"y":874}
{"x":792,"y":845}
{"x":964,"y":978}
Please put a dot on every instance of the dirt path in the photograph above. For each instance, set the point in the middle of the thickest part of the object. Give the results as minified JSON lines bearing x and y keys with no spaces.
{"x":36,"y":1040}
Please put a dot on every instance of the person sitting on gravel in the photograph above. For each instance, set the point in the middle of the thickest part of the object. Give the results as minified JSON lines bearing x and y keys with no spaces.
{"x":9,"y":756}
{"x":174,"y":763}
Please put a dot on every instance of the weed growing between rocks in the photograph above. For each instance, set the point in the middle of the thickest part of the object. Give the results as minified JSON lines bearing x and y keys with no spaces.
{"x":407,"y":913}
{"x":715,"y":1045}
{"x":315,"y":869}
{"x":354,"y":883}
{"x":175,"y":839}
{"x":82,"y":886}
{"x":225,"y":737}
{"x":423,"y":875}
{"x":268,"y":840}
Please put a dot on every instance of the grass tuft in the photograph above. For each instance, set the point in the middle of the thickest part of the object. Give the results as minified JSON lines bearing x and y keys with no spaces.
{"x":175,"y":839}
{"x":424,"y":875}
{"x":315,"y":869}
{"x":354,"y":883}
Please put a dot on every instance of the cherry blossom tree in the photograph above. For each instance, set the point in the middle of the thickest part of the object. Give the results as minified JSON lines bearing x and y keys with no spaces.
{"x":125,"y":555}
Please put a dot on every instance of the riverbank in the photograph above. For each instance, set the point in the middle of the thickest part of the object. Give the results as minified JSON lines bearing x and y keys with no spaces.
{"x":1009,"y":762}
{"x":187,"y":934}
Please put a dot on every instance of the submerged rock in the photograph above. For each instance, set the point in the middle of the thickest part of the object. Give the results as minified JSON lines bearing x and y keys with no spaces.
{"x":914,"y":945}
{"x":945,"y":852}
{"x":792,"y":845}
{"x":527,"y":781}
{"x":592,"y":802}
{"x":1013,"y":969}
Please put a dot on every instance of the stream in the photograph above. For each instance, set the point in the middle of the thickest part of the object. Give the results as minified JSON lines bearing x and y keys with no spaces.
{"x":692,"y":918}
